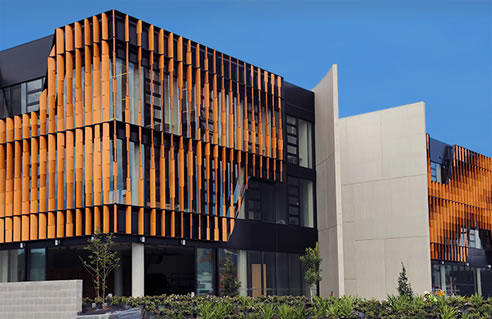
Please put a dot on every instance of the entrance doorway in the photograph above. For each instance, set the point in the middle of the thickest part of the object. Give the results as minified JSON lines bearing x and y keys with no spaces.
{"x":169,"y":270}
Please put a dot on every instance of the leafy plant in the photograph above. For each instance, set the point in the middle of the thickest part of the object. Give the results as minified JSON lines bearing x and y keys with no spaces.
{"x":206,"y":310}
{"x":290,"y":307}
{"x":222,"y":310}
{"x":286,"y":312}
{"x":268,"y":311}
{"x":469,"y":315}
{"x":399,"y":303}
{"x":320,"y":306}
{"x":101,"y":261}
{"x":300,"y":312}
{"x":346,"y":307}
{"x":417,"y":303}
{"x":312,"y":264}
{"x":404,"y":287}
{"x":476,"y":299}
{"x":332,"y":311}
{"x":447,"y":312}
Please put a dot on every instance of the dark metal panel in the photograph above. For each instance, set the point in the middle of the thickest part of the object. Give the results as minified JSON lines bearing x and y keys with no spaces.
{"x":299,"y":112}
{"x":24,"y":62}
{"x":299,"y":97}
{"x":439,"y":151}
{"x":256,"y":235}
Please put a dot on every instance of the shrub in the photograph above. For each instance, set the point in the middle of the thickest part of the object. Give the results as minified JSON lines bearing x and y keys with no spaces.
{"x":404,"y":287}
{"x":312,"y":264}
{"x":230,"y":282}
{"x":191,"y":307}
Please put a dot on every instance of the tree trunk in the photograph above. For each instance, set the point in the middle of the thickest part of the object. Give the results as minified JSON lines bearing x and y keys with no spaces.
{"x":312,"y":291}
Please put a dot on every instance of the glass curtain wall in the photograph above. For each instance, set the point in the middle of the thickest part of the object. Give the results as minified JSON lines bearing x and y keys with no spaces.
{"x":282,"y":203}
{"x":16,"y":266}
{"x":13,"y":265}
{"x":37,"y":264}
{"x":20,"y":98}
{"x":205,"y":265}
{"x":299,"y":142}
{"x":460,"y":279}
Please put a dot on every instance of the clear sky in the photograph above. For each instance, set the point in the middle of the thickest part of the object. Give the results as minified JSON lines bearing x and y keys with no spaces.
{"x":389,"y":53}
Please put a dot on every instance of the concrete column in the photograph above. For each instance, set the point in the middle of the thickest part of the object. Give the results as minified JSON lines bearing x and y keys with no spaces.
{"x":329,"y":189}
{"x":243,"y":272}
{"x":479,"y":282}
{"x":138,"y":270}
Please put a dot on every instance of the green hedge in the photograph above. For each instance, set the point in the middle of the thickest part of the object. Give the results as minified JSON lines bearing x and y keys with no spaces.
{"x":288,"y":307}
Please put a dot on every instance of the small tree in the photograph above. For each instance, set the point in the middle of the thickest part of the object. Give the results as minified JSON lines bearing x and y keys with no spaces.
{"x":312,"y":262}
{"x":101,"y":261}
{"x":404,"y":287}
{"x":229,"y":281}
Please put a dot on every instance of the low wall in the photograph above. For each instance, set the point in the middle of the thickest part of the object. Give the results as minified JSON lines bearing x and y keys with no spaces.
{"x":41,"y":299}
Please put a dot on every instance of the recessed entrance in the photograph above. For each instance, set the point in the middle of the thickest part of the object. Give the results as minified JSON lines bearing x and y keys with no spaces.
{"x":169,"y":270}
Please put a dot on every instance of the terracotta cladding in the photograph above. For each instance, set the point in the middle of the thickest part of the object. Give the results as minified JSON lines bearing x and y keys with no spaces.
{"x":103,"y":154}
{"x":461,"y":204}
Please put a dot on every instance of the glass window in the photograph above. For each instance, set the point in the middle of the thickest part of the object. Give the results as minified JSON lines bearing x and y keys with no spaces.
{"x":291,"y":203}
{"x":282,"y":274}
{"x":299,"y":142}
{"x":266,"y":201}
{"x":296,"y":274}
{"x":235,"y":258}
{"x":33,"y":91}
{"x":274,"y":274}
{"x":300,"y":202}
{"x":475,"y":239}
{"x":204,"y":271}
{"x":4,"y":265}
{"x":305,"y":144}
{"x":11,"y":101}
{"x":17,"y":265}
{"x":35,"y":85}
{"x":436,"y":172}
{"x":37,"y":267}
{"x":121,"y":78}
{"x":261,"y":267}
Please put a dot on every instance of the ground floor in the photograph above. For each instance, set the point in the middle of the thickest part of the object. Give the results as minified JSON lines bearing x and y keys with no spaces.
{"x":461,"y":278}
{"x":147,"y":269}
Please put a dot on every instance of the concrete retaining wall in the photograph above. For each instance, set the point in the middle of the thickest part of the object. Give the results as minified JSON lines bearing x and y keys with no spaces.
{"x":41,"y":299}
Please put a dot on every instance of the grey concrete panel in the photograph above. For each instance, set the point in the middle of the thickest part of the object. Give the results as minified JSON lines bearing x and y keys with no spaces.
{"x":41,"y":299}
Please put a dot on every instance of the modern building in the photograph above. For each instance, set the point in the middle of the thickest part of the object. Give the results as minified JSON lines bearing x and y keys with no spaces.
{"x":187,"y":154}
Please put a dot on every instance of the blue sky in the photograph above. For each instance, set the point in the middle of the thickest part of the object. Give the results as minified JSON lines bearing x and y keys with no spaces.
{"x":389,"y":53}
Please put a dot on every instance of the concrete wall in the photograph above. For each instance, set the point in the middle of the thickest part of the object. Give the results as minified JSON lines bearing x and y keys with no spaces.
{"x":41,"y":299}
{"x":328,"y":186}
{"x":372,"y":205}
{"x":384,"y":200}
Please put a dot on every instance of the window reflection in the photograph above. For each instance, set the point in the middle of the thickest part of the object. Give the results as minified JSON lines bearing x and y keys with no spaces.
{"x":20,"y":98}
{"x":37,"y":267}
{"x":436,"y":172}
{"x":299,"y":142}
{"x":282,"y":203}
{"x":204,"y":271}
{"x":17,"y":265}
{"x":272,"y":273}
{"x":460,"y":279}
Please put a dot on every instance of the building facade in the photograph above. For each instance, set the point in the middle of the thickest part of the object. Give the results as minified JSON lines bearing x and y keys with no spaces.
{"x":171,"y":145}
{"x":187,"y":154}
{"x":460,"y":219}
{"x":389,"y":194}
